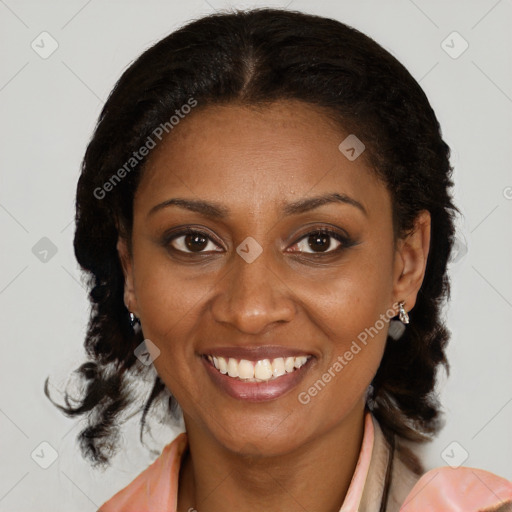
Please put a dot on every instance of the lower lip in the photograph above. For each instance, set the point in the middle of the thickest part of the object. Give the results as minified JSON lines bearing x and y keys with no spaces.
{"x":256,"y":391}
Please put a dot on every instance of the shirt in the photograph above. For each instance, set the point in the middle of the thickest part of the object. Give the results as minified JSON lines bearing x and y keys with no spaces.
{"x":382,"y":482}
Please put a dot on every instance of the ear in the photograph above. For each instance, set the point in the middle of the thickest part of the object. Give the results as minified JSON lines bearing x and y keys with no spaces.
{"x":411,"y":261}
{"x":125,"y":257}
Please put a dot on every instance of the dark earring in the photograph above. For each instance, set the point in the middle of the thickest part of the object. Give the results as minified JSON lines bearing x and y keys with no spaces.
{"x":370,"y":397}
{"x":134,"y":322}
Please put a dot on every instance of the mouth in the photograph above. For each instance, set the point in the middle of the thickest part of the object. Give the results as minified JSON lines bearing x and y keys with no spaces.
{"x":258,"y":374}
{"x":261,"y":370}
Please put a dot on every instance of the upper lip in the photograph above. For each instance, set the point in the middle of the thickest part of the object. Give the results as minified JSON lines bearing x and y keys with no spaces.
{"x":255,"y":353}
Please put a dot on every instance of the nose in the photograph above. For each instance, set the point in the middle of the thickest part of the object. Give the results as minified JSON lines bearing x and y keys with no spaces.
{"x":253,"y":296}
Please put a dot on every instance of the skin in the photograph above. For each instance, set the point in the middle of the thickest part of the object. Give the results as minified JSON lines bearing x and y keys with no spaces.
{"x":280,"y":454}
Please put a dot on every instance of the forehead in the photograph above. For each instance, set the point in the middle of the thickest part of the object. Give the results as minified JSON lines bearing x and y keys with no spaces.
{"x":249,"y":156}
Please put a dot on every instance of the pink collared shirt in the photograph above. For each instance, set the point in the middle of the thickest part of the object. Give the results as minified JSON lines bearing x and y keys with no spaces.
{"x":443,"y":489}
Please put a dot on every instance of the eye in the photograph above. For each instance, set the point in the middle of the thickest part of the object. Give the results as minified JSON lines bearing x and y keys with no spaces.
{"x":318,"y":242}
{"x":322,"y":241}
{"x":191,"y":241}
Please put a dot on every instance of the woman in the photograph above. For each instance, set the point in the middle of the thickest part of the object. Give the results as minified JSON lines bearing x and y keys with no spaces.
{"x":264,"y":211}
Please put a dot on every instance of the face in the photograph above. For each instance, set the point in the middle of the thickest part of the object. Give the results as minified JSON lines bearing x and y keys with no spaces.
{"x":232,"y":258}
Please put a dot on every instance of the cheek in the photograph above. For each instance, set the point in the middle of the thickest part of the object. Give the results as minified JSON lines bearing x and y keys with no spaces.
{"x":353,"y":311}
{"x":352,"y":299}
{"x":169,"y":307}
{"x":167,"y":301}
{"x":343,"y":376}
{"x":170,"y":315}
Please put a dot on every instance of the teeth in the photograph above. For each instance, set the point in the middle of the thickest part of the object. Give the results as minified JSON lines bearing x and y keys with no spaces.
{"x":289,"y":364}
{"x":245,"y":369}
{"x":278,"y":367}
{"x":232,"y":367}
{"x":257,"y":371}
{"x":263,"y":369}
{"x":222,"y":365}
{"x":299,"y":361}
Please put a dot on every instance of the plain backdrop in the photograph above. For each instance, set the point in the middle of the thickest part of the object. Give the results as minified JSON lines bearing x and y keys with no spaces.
{"x":49,"y":106}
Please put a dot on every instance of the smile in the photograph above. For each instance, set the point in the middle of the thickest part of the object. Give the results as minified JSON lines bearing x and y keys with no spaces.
{"x":262,"y":370}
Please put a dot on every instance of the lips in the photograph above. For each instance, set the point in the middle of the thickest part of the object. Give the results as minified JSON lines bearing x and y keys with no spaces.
{"x":256,"y":373}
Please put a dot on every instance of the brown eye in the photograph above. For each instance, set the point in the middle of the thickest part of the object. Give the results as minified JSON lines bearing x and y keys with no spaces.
{"x":195,"y":242}
{"x":322,"y":242}
{"x":319,"y":242}
{"x":190,"y":241}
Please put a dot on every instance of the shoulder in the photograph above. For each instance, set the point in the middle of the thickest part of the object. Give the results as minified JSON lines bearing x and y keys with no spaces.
{"x":156,"y":487}
{"x":445,"y":489}
{"x":461,"y":489}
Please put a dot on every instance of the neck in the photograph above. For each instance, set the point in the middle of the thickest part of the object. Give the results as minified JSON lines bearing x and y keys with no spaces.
{"x":314,"y":476}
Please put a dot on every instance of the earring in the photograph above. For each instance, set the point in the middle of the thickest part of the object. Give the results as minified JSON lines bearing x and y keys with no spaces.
{"x":402,"y":314}
{"x":369,"y":397}
{"x":397,"y":327}
{"x":134,"y":322}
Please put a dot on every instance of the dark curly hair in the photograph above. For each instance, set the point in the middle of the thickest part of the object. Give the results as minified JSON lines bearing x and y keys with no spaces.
{"x":257,"y":57}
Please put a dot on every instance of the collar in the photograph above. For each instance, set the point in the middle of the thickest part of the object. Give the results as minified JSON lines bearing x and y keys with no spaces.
{"x":156,"y":488}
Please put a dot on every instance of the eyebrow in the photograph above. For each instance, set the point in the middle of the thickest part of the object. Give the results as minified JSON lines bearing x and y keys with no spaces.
{"x":217,"y":211}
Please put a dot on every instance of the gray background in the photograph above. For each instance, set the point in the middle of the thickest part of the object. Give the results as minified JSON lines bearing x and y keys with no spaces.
{"x":49,"y":107}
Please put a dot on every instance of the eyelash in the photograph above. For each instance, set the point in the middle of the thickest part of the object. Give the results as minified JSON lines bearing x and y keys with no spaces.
{"x":345,"y":241}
